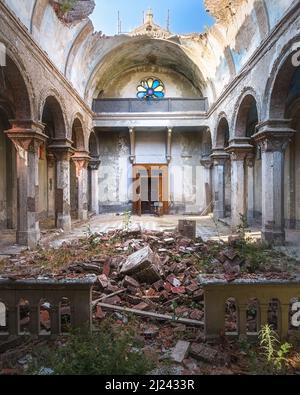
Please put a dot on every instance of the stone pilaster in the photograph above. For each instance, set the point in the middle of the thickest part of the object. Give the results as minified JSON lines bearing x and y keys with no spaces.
{"x":94,"y":169}
{"x":169,"y":145}
{"x":81,"y":160}
{"x":27,"y":137}
{"x":219,"y":157}
{"x":250,"y":162}
{"x":132,"y":145}
{"x":273,"y":136}
{"x":207,"y":164}
{"x":238,"y":149}
{"x":62,"y":149}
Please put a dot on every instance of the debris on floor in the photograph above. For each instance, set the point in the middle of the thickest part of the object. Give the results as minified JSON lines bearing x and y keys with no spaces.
{"x":153,"y":277}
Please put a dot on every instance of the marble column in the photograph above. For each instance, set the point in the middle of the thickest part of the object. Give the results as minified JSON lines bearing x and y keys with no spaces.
{"x":62,"y":149}
{"x":207,"y":163}
{"x":94,"y":190}
{"x":81,"y":160}
{"x":27,"y":137}
{"x":273,"y":137}
{"x":239,"y":149}
{"x":219,"y":157}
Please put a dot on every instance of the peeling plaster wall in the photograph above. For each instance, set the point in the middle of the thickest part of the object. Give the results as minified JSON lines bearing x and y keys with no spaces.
{"x":276,"y":9}
{"x":186,"y":173}
{"x":114,"y":172}
{"x":22,"y":9}
{"x":55,"y":38}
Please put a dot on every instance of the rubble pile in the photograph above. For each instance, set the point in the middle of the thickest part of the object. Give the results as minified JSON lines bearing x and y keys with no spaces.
{"x":151,"y":275}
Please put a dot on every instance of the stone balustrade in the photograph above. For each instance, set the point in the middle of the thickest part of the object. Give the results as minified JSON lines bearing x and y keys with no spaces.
{"x":266,"y":293}
{"x":44,"y":306}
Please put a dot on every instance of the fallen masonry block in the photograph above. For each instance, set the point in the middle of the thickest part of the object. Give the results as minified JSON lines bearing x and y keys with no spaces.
{"x":187,"y":228}
{"x":143,"y":265}
{"x":180,"y":351}
{"x":131,"y":282}
{"x":204,"y":353}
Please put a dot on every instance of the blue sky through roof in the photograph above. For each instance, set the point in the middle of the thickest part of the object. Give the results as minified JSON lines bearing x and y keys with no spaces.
{"x":186,"y":16}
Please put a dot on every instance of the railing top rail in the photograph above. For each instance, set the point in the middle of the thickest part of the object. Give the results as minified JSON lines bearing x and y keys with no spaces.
{"x":46,"y":281}
{"x":214,"y":281}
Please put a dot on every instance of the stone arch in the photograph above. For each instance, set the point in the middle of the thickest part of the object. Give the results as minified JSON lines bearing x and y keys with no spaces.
{"x":93,"y":145}
{"x":78,"y":134}
{"x":16,"y":98}
{"x":247,"y":114}
{"x":53,"y":114}
{"x":52,"y":98}
{"x":278,"y":84}
{"x":17,"y":85}
{"x":222,"y":134}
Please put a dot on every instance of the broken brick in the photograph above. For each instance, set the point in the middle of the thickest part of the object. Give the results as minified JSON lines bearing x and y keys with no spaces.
{"x":159,"y":285}
{"x":114,"y":300}
{"x":173,"y":280}
{"x":103,"y":281}
{"x":131,"y":282}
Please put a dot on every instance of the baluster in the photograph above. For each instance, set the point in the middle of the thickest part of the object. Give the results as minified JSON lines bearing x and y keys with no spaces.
{"x":242,"y":319}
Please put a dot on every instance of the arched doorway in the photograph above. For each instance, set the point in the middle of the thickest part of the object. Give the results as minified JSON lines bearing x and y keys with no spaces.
{"x":221,"y":171}
{"x":279,"y":153}
{"x":78,"y":173}
{"x":52,"y":118}
{"x":18,"y":176}
{"x":249,"y":154}
{"x":292,"y":161}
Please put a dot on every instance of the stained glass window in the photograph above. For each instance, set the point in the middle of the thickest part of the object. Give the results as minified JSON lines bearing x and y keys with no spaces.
{"x":151,"y":88}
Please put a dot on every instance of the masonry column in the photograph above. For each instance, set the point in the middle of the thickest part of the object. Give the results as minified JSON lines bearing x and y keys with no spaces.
{"x":81,"y":160}
{"x":207,"y":163}
{"x":273,"y":137}
{"x":94,"y":167}
{"x":62,"y":149}
{"x":219,"y":157}
{"x":250,"y":161}
{"x":27,"y":137}
{"x":239,"y":149}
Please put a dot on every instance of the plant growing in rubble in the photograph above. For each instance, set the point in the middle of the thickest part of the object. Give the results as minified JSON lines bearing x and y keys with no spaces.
{"x":274,"y":353}
{"x":113,"y":350}
{"x":127,"y":220}
{"x":242,"y":227}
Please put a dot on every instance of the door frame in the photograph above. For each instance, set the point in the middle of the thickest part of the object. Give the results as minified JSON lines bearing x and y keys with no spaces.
{"x":163,"y":186}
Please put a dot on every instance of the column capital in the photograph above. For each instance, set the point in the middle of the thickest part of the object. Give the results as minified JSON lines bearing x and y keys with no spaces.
{"x":94,"y":163}
{"x":219,"y":156}
{"x":61,"y":148}
{"x":81,"y":160}
{"x":274,"y":135}
{"x":207,"y":162}
{"x":239,"y":148}
{"x":26,"y":135}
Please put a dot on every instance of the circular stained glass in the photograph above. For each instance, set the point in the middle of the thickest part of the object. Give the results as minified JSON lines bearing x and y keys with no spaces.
{"x":151,"y":88}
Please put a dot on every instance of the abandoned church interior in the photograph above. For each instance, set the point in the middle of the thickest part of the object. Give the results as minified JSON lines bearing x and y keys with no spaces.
{"x":151,"y":174}
{"x":149,"y":121}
